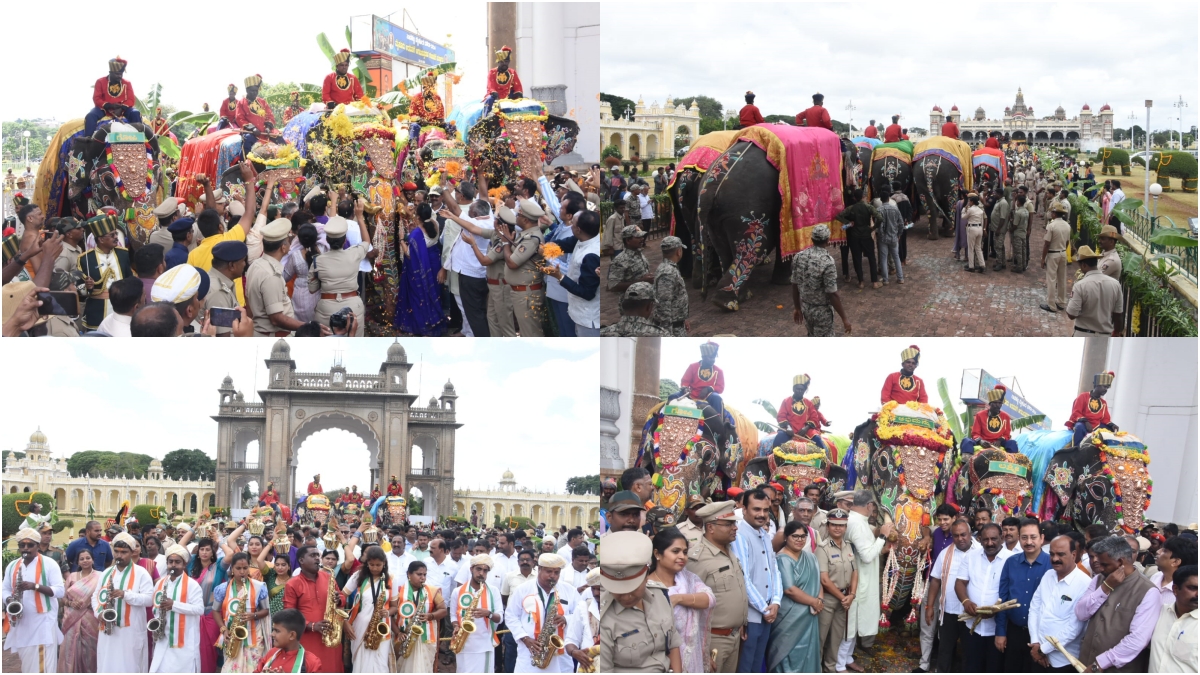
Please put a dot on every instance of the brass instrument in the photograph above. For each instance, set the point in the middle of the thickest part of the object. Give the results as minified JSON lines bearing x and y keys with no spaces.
{"x":409,"y":642}
{"x":548,"y":641}
{"x":592,"y":652}
{"x":378,"y":629}
{"x":13,"y":607}
{"x":334,"y":617}
{"x":108,"y":615}
{"x":237,"y":632}
{"x":157,"y":625}
{"x":466,"y":626}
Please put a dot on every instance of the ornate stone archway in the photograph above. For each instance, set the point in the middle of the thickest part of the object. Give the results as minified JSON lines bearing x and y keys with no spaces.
{"x":377,"y":408}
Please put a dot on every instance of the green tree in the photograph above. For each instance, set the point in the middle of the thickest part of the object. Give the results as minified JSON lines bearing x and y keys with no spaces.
{"x":711,"y":124}
{"x":619,"y":104}
{"x":666,"y":388}
{"x":16,"y":455}
{"x":582,"y":485}
{"x":179,"y":464}
{"x":247,"y":495}
{"x":14,"y":140}
{"x":416,"y":506}
{"x":709,"y":107}
{"x":279,"y":96}
{"x":103,"y":462}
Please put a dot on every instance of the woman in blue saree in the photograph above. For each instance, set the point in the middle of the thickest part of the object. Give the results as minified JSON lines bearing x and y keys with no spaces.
{"x":795,"y":645}
{"x":418,"y":307}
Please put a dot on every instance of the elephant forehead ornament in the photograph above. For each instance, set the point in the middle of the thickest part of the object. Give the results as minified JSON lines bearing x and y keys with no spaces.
{"x":1005,"y":476}
{"x":673,"y":444}
{"x":797,"y":463}
{"x":522,"y":121}
{"x":1125,"y":461}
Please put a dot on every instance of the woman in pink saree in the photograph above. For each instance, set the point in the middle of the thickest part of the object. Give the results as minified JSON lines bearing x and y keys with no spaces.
{"x":691,"y":599}
{"x":77,"y":654}
{"x":1105,"y":200}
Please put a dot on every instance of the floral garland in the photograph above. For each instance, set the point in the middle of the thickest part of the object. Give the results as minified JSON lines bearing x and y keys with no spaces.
{"x":551,"y":250}
{"x":284,"y":156}
{"x":1000,"y":500}
{"x":796,"y":458}
{"x":907,"y":434}
{"x":656,"y":449}
{"x":1116,"y":451}
{"x":120,"y":184}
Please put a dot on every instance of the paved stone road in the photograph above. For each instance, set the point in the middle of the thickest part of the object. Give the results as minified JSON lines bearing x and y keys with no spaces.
{"x":937,"y":298}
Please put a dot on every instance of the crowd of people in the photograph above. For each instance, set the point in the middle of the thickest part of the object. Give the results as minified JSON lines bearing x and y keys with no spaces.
{"x":264,"y":595}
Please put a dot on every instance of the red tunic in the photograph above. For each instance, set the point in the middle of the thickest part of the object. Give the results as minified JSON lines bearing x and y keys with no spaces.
{"x":229,"y":110}
{"x":395,"y":489}
{"x":375,"y":494}
{"x":871,"y":132}
{"x":992,"y":428}
{"x":903,"y":389}
{"x":285,"y":661}
{"x":797,"y":414}
{"x":992,"y":143}
{"x":269,"y":497}
{"x":308,"y":596}
{"x":341,"y":88}
{"x":257,"y":113}
{"x":314,"y":488}
{"x":816,"y":416}
{"x":891,"y":134}
{"x":104,"y":93}
{"x":816,"y":116}
{"x":1095,"y":412}
{"x":749,"y":115}
{"x":694,"y":380}
{"x":950,"y":129}
{"x":503,"y":83}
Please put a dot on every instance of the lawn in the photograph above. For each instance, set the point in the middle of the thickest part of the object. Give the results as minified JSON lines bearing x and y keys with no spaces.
{"x":1176,"y":204}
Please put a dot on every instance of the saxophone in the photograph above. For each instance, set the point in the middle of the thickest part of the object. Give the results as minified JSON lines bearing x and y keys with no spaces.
{"x":157,"y":625}
{"x":334,"y":617}
{"x":108,"y":615}
{"x":466,"y":626}
{"x":548,"y":641}
{"x":378,"y":628}
{"x":237,"y":626}
{"x":414,"y":632}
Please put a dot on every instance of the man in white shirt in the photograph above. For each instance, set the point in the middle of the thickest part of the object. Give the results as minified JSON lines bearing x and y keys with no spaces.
{"x":1116,"y":197}
{"x":978,"y":585}
{"x":576,"y":571}
{"x":1173,"y":644}
{"x":504,"y":559}
{"x":942,"y":606}
{"x":126,"y":297}
{"x":521,"y":574}
{"x":1052,"y":609}
{"x":37,"y":581}
{"x":441,"y":570}
{"x":462,"y":268}
{"x":647,"y":209}
{"x":574,"y":539}
{"x":527,"y":609}
{"x":398,"y":559}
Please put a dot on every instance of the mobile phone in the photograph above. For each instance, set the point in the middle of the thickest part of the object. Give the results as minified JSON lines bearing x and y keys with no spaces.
{"x":58,"y":303}
{"x":223,"y":316}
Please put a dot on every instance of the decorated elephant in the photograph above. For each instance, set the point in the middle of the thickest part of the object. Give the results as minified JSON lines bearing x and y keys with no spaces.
{"x":352,"y":145}
{"x":940,"y":167}
{"x":902,"y":456}
{"x":684,"y":190}
{"x":767,"y":191}
{"x":989,"y":165}
{"x":795,"y":465}
{"x":517,"y":138}
{"x":996,"y":480}
{"x":684,"y":447}
{"x":1105,"y":480}
{"x":865,"y":146}
{"x":891,"y":163}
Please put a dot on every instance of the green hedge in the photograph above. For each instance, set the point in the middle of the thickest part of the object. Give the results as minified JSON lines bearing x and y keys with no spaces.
{"x":150,"y":514}
{"x":1149,"y":288}
{"x":13,"y":519}
{"x":1111,"y":157}
{"x":1176,"y":165}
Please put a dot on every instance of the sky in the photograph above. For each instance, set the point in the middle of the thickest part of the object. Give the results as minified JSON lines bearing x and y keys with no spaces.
{"x":526,"y":405}
{"x":849,"y":380}
{"x":904,"y":58}
{"x":195,"y":53}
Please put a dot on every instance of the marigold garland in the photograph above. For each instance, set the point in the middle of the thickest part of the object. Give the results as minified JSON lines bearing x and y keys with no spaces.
{"x":797,"y":458}
{"x":906,"y":434}
{"x":1117,"y":451}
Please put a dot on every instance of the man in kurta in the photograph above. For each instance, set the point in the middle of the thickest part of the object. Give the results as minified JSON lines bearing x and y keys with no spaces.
{"x":341,"y":86}
{"x":253,"y":110}
{"x":502,"y":81}
{"x":904,"y":386}
{"x":1090,"y":410}
{"x":112,"y":95}
{"x":749,"y":115}
{"x":528,"y":608}
{"x":992,"y":425}
{"x":1121,"y":608}
{"x":37,"y":581}
{"x":180,"y":607}
{"x":704,"y":381}
{"x":307,"y":592}
{"x":478,"y":651}
{"x":125,"y":649}
{"x":871,"y":131}
{"x":869,"y":546}
{"x":314,"y":488}
{"x":893,"y":131}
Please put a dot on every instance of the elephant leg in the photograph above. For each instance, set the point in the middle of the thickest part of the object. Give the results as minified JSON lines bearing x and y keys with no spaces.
{"x":749,"y":245}
{"x":933,"y":222}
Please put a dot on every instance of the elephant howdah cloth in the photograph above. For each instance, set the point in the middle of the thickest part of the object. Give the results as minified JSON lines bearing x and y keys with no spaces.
{"x":810,"y":180}
{"x":955,"y":151}
{"x":52,"y":180}
{"x":203,"y":153}
{"x":901,"y":150}
{"x":706,"y":149}
{"x":993,"y":158}
{"x":865,"y":142}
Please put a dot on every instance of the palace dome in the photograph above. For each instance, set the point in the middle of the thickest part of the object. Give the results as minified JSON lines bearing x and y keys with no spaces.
{"x":281,"y":350}
{"x":1086,"y":107}
{"x":508,"y":475}
{"x":37,"y":437}
{"x":1105,"y":107}
{"x":954,"y":107}
{"x":937,"y":109}
{"x":396,"y":353}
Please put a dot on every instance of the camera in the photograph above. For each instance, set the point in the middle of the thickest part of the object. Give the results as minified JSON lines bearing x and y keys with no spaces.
{"x":341,"y":319}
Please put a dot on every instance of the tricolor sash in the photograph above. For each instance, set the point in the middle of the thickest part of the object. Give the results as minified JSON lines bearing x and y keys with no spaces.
{"x":230,"y":596}
{"x":176,"y":629}
{"x":125,"y":584}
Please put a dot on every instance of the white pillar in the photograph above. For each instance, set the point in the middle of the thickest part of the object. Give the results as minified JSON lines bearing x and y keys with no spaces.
{"x":547,"y":45}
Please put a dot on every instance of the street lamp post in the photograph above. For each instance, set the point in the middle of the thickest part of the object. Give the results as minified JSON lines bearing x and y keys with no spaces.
{"x":1149,"y":104}
{"x":1132,"y":122}
{"x":851,"y":108}
{"x":26,"y":134}
{"x":1180,"y":105}
{"x":1155,"y":191}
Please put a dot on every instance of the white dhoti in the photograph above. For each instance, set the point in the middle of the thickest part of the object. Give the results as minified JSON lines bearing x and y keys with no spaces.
{"x":38,"y":658}
{"x":482,"y":662}
{"x":176,"y":659}
{"x":561,"y":663}
{"x":125,"y":650}
{"x":863,"y":617}
{"x":421,"y":661}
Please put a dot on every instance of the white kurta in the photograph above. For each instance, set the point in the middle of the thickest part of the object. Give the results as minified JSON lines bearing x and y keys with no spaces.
{"x":519,"y":619}
{"x":478,"y":651}
{"x":863,"y":617}
{"x":368,"y":660}
{"x":125,"y":650}
{"x":183,"y":658}
{"x":34,"y":629}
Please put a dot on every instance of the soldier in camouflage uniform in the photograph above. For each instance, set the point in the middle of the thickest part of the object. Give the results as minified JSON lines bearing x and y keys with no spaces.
{"x":637,"y":306}
{"x":1020,"y":234}
{"x":671,"y":310}
{"x":633,"y":207}
{"x":630,"y":265}
{"x":814,"y":287}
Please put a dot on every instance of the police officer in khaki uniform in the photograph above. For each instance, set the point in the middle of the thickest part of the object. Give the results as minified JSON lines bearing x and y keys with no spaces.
{"x":839,"y":579}
{"x":266,"y":291}
{"x":637,"y":624}
{"x":499,"y":309}
{"x":72,"y":244}
{"x":521,"y":273}
{"x":166,"y":214}
{"x":335,"y":273}
{"x":229,"y":264}
{"x":692,"y":526}
{"x":716,"y":565}
{"x":1054,"y":259}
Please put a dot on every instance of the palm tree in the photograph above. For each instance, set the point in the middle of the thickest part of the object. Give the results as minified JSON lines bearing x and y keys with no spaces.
{"x":767,"y":427}
{"x":960,"y":423}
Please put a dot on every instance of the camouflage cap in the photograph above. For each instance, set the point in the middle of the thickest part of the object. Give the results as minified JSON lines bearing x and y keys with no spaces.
{"x":639,"y":291}
{"x":631,"y":231}
{"x":671,"y":243}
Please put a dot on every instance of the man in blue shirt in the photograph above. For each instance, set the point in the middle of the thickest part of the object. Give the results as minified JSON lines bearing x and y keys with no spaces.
{"x":1019,"y":580}
{"x":763,"y":585}
{"x":102,"y":555}
{"x":181,"y":234}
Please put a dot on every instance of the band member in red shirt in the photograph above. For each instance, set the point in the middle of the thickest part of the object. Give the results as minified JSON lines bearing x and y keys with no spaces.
{"x":749,"y":114}
{"x":502,"y":81}
{"x":892,"y":133}
{"x":704,"y":381}
{"x":871,"y":131}
{"x":341,"y":86}
{"x":816,"y":116}
{"x":992,"y":425}
{"x":1090,"y":410}
{"x":112,"y":96}
{"x":307,"y":593}
{"x":229,"y":105}
{"x":798,"y":416}
{"x":904,"y":386}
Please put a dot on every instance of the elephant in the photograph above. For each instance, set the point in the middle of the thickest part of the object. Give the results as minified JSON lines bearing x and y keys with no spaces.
{"x":936,"y":181}
{"x":1104,"y":480}
{"x":685,"y":196}
{"x":684,"y":447}
{"x":794,"y":465}
{"x":887,"y":170}
{"x":995,"y":479}
{"x":902,"y":456}
{"x":87,"y":176}
{"x":517,"y":143}
{"x":990,"y":167}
